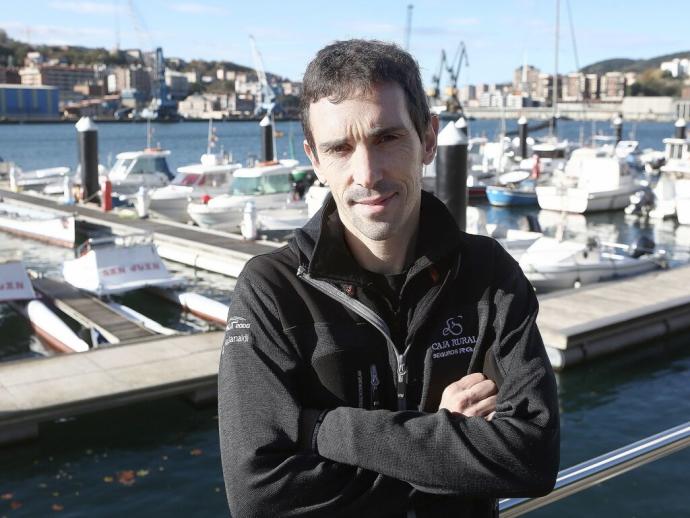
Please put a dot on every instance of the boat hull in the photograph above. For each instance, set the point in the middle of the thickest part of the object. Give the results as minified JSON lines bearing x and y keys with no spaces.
{"x":174,"y":209}
{"x":546,"y":278}
{"x":580,"y":201}
{"x":50,"y":227}
{"x":505,"y":197}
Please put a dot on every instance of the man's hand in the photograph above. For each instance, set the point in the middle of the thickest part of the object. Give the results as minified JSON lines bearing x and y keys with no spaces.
{"x":472,"y":395}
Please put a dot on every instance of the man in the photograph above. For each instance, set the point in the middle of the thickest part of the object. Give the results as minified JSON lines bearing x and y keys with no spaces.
{"x":383,"y":363}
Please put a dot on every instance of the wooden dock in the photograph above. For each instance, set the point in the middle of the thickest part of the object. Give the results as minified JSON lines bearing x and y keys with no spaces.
{"x":211,"y":250}
{"x":38,"y":390}
{"x":91,"y":312}
{"x":578,"y":325}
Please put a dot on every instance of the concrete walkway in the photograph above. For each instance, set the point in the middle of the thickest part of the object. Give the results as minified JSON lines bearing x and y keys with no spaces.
{"x":37,"y":390}
{"x":578,"y":325}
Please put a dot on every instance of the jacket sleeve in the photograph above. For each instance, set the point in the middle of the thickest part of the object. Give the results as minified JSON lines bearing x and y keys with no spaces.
{"x":515,"y":454}
{"x":268,"y":466}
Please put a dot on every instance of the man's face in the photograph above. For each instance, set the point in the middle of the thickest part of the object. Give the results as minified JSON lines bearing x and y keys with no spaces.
{"x":370,"y":155}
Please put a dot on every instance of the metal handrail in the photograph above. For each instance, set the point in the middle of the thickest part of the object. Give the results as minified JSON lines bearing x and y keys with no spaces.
{"x":589,"y":473}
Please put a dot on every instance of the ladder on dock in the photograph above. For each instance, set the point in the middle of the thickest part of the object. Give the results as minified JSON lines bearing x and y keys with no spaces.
{"x":91,"y":312}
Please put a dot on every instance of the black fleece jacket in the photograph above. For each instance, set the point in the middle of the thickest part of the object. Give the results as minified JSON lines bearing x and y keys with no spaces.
{"x":323,"y":411}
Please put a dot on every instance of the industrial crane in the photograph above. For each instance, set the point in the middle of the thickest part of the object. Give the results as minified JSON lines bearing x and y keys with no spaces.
{"x":453,"y":69}
{"x":267,"y":97}
{"x":162,"y":106}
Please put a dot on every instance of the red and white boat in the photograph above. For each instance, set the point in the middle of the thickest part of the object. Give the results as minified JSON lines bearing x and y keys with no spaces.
{"x":16,"y":289}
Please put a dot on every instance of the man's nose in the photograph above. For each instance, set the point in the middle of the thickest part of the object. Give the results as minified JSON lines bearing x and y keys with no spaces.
{"x":366,"y":167}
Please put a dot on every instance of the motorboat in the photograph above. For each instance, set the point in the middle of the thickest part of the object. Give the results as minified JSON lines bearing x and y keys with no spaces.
{"x":590,"y":182}
{"x":551,"y":264}
{"x":291,"y":218}
{"x":117,"y":264}
{"x":16,"y":289}
{"x":672,"y":190}
{"x":134,"y":169}
{"x":120,"y":264}
{"x":209,"y":178}
{"x":53,"y":227}
{"x":40,"y":180}
{"x":268,"y":186}
{"x":516,"y":188}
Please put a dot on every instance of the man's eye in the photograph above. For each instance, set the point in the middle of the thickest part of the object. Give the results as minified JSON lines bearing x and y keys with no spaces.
{"x":340,"y":150}
{"x":388,"y":138}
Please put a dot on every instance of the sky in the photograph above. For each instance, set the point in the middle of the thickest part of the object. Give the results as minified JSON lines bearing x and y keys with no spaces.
{"x":499,"y":35}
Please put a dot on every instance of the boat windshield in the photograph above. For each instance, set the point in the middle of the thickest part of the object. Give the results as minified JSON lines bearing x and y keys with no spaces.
{"x":121,"y":166}
{"x":148,"y":165}
{"x":186,"y":179}
{"x":272,"y":184}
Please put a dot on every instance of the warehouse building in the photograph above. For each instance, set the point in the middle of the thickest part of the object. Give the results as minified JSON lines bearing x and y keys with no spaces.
{"x":21,"y":102}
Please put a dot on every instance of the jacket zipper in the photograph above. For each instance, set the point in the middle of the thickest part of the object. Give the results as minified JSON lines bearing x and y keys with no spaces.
{"x":375,"y":320}
{"x":375,"y":402}
{"x":360,"y":389}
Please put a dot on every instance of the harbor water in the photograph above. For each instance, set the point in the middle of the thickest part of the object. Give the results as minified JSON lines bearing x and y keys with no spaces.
{"x":162,"y":458}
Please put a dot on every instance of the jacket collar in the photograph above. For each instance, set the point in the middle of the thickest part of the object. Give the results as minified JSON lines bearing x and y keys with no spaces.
{"x":323,"y":252}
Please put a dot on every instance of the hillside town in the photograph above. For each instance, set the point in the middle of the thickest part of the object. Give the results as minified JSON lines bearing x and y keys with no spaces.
{"x":133,"y":84}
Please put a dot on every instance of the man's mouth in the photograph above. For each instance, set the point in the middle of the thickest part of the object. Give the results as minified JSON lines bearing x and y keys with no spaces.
{"x":374,"y":201}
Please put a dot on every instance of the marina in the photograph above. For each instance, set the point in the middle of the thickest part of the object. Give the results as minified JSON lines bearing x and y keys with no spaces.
{"x":186,"y":365}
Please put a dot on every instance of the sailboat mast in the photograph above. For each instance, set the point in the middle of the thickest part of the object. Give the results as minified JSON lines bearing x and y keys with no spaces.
{"x":554,"y":90}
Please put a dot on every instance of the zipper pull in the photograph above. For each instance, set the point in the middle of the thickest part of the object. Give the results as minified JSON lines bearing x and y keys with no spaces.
{"x":401,"y":386}
{"x":375,"y":403}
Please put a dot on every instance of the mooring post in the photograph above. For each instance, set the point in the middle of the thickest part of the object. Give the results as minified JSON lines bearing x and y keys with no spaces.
{"x":451,"y":172}
{"x":267,"y":151}
{"x":87,"y":133}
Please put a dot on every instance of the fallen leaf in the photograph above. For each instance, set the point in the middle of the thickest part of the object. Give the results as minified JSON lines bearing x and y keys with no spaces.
{"x":126,"y":477}
{"x":142,"y":472}
{"x":6,"y":496}
{"x":196,"y":452}
{"x":57,"y":507}
{"x":107,"y":479}
{"x":14,"y":504}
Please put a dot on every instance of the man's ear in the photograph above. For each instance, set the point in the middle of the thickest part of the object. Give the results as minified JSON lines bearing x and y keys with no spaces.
{"x":430,"y":136}
{"x":314,"y":160}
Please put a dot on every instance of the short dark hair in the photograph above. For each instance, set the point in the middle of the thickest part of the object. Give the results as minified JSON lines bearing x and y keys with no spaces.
{"x":347,"y":68}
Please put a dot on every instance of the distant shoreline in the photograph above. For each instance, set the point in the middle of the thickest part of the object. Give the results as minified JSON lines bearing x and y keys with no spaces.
{"x":565,"y":113}
{"x":137,"y":121}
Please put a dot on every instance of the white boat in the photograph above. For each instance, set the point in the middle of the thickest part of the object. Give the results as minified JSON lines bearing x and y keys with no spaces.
{"x":292,"y":218}
{"x":56,"y":228}
{"x":590,"y":183}
{"x":135,"y":169}
{"x":111,"y":265}
{"x":209,"y":178}
{"x":268,"y":186}
{"x":551,"y":264}
{"x":672,"y":191}
{"x":17,"y":290}
{"x":40,"y":180}
{"x":116,"y":265}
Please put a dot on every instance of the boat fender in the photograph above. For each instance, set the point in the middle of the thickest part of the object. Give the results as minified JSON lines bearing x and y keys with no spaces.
{"x":205,"y":199}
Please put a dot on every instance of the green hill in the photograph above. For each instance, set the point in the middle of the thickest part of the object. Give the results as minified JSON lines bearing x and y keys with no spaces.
{"x":631,"y":65}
